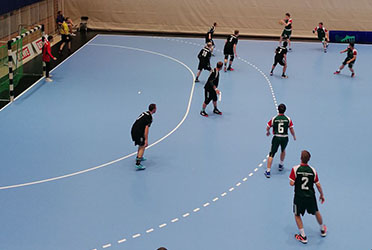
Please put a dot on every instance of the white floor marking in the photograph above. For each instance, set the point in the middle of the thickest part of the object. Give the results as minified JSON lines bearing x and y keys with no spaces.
{"x":136,"y":236}
{"x":238,"y":184}
{"x":260,"y":165}
{"x":231,"y":189}
{"x":150,"y":230}
{"x":223,"y":194}
{"x":206,"y":204}
{"x":245,"y":179}
{"x":264,"y":160}
{"x":250,"y":174}
{"x":196,"y":210}
{"x":106,"y":246}
{"x":174,"y":220}
{"x":185,"y":215}
{"x":215,"y":199}
{"x":255,"y":169}
{"x":162,"y":225}
{"x":122,"y":240}
{"x":134,"y":153}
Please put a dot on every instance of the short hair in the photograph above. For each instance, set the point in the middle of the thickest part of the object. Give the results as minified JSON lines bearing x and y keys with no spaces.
{"x":59,"y":12}
{"x":214,"y":24}
{"x":219,"y":65}
{"x":209,"y":44}
{"x":305,"y":156}
{"x":282,"y":108}
{"x":50,"y":37}
{"x":285,"y":43}
{"x":236,"y":32}
{"x":352,"y":44}
{"x":162,"y":248}
{"x":321,"y":23}
{"x":288,"y":15}
{"x":152,"y":106}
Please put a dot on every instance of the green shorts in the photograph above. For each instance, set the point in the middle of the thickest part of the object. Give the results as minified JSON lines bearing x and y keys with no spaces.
{"x":276,"y":142}
{"x":301,"y":205}
{"x":286,"y":34}
{"x":322,"y":39}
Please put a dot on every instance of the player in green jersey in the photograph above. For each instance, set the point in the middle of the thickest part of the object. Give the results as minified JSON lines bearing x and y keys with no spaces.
{"x":323,"y":35}
{"x":280,"y":124}
{"x":350,"y":59}
{"x":303,"y":177}
{"x":287,"y":32}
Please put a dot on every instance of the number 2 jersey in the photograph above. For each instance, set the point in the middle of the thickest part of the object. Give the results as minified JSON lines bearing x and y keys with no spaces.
{"x":280,"y":124}
{"x":304,"y":177}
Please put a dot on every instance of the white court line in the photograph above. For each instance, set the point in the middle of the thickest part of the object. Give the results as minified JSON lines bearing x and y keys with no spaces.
{"x":134,"y":153}
{"x":42,"y":78}
{"x":122,"y":240}
{"x":106,"y":246}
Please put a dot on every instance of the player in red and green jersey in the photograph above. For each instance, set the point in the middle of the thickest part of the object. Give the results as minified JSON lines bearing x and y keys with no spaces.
{"x":323,"y":35}
{"x":303,"y":177}
{"x":280,"y":124}
{"x":287,"y":31}
{"x":350,"y":59}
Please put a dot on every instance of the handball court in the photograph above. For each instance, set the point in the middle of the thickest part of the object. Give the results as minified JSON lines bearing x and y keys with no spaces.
{"x":68,"y":179}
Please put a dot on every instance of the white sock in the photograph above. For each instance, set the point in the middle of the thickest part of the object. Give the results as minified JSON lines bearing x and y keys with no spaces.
{"x":268,"y":170}
{"x":281,"y":162}
{"x":322,"y":227}
{"x":302,"y":232}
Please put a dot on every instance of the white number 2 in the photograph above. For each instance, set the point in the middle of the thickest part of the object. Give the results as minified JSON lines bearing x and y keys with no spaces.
{"x":280,"y":127}
{"x":305,"y":181}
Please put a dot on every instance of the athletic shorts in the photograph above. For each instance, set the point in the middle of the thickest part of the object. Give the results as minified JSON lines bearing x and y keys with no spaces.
{"x":204,"y":65}
{"x":286,"y":34}
{"x":350,"y":64}
{"x":276,"y":142}
{"x":301,"y":205}
{"x":139,"y":139}
{"x":279,"y":60}
{"x":66,"y":38}
{"x":210,"y":95}
{"x":228,"y":52}
{"x":322,"y":38}
{"x":207,"y":40}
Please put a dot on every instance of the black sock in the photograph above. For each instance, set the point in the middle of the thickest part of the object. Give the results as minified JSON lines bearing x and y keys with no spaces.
{"x":138,"y":161}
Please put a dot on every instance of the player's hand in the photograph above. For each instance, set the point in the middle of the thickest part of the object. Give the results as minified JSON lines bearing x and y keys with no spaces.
{"x":267,"y":133}
{"x":321,"y":199}
{"x":218,"y":91}
{"x":294,"y":138}
{"x":314,"y":31}
{"x":146,"y":143}
{"x":55,"y":58}
{"x":236,"y":55}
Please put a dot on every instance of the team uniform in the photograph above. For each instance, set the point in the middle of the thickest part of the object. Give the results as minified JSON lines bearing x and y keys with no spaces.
{"x":350,"y":55}
{"x":229,"y":47}
{"x":209,"y":92}
{"x":279,"y":55}
{"x":280,"y":124}
{"x":287,"y":32}
{"x":210,"y":32}
{"x":321,"y":33}
{"x":204,"y":59}
{"x":304,"y":177}
{"x":138,"y":128}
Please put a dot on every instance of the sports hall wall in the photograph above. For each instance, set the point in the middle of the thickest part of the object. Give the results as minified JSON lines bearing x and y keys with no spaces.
{"x":251,"y":17}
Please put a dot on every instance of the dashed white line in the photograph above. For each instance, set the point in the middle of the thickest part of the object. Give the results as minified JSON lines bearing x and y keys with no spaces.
{"x":106,"y":246}
{"x":122,"y":240}
{"x":174,"y":220}
{"x":231,"y":189}
{"x":238,"y":184}
{"x":196,"y":210}
{"x":245,"y":179}
{"x":136,"y":236}
{"x":150,"y":230}
{"x":260,"y":165}
{"x":264,"y":160}
{"x":255,"y":169}
{"x":215,"y":199}
{"x":250,"y":174}
{"x":185,"y":215}
{"x":206,"y":204}
{"x":162,"y":225}
{"x":223,"y":194}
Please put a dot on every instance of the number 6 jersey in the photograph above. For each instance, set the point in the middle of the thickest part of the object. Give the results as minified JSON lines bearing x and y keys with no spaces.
{"x":280,"y":125}
{"x":304,"y":177}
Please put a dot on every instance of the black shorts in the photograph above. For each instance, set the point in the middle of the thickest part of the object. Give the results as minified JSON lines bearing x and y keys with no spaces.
{"x":207,"y":40}
{"x":276,"y":142}
{"x":279,"y":60}
{"x":350,"y":64}
{"x":138,"y":138}
{"x":66,"y":38}
{"x":301,"y":205}
{"x":228,"y":52}
{"x":210,"y":95}
{"x":204,"y":65}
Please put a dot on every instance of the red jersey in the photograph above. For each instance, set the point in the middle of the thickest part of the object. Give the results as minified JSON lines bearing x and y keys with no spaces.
{"x":47,"y":52}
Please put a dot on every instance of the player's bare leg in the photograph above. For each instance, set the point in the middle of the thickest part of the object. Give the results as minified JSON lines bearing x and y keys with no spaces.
{"x":282,"y":157}
{"x":225,"y":63}
{"x":289,"y":44}
{"x":197,"y":76}
{"x":352,"y":72}
{"x":269,"y":163}
{"x":301,"y":236}
{"x":323,"y":228}
{"x":140,"y":152}
{"x":339,"y":69}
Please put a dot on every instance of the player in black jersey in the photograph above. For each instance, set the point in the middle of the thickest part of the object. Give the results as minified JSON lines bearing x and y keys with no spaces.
{"x":303,"y":177}
{"x":350,"y":59}
{"x":211,"y":91}
{"x":204,"y":60}
{"x":209,"y":36}
{"x":323,"y":35}
{"x":281,"y":58}
{"x":140,"y":132}
{"x":230,"y":49}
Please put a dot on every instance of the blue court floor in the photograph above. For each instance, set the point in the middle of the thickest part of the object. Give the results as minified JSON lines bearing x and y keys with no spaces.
{"x":67,"y":176}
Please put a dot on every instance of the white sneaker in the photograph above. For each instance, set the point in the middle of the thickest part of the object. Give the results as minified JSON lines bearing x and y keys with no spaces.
{"x":49,"y":79}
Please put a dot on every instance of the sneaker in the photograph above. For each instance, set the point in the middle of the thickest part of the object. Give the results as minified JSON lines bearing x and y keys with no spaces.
{"x":290,"y":49}
{"x":48,"y":79}
{"x":230,"y":69}
{"x":323,"y":232}
{"x":352,"y":74}
{"x":140,"y":167}
{"x":224,"y":69}
{"x":267,"y":174}
{"x":216,"y":111}
{"x":301,"y":238}
{"x":271,"y":73}
{"x":197,"y":80}
{"x":325,"y":51}
{"x":203,"y":113}
{"x":284,"y":76}
{"x":337,"y":72}
{"x":281,"y":167}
